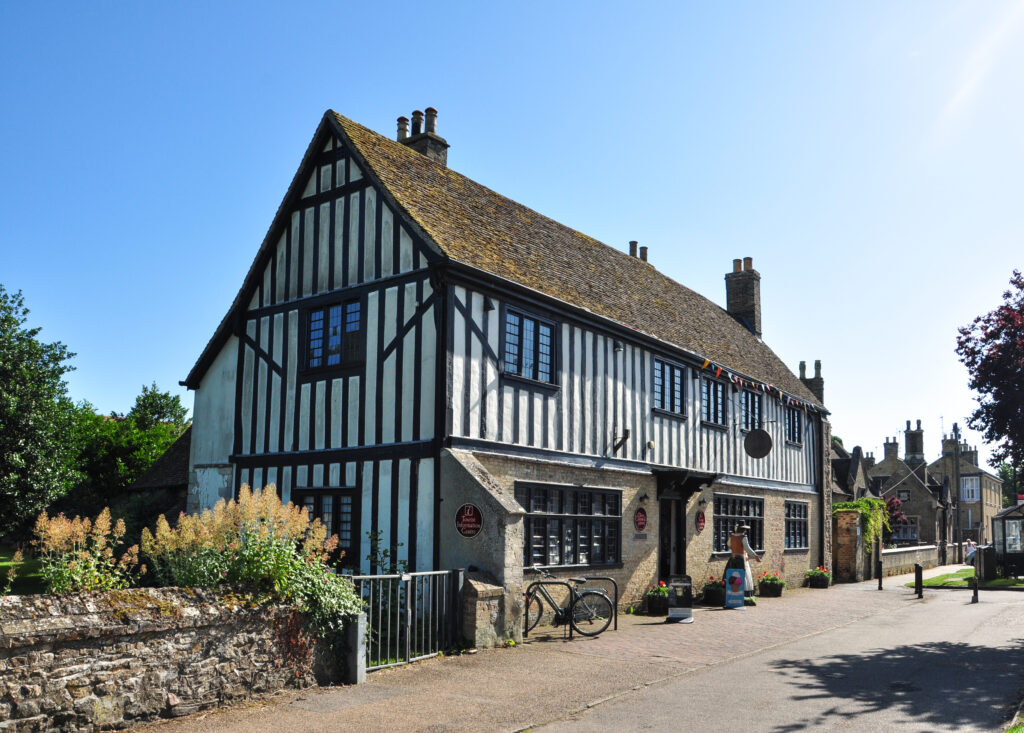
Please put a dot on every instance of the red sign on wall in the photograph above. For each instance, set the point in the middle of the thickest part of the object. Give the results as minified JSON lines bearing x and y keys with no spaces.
{"x":640,"y":520}
{"x":469,"y":520}
{"x":699,"y":521}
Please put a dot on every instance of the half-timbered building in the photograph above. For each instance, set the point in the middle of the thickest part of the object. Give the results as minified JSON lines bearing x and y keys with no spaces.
{"x":408,"y":342}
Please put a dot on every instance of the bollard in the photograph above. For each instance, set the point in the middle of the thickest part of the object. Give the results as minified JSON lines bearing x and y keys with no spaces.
{"x":974,"y":597}
{"x":919,"y":580}
{"x":878,"y":572}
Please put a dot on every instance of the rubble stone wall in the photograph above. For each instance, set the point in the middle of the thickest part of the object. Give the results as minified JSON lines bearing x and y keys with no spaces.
{"x":98,"y":661}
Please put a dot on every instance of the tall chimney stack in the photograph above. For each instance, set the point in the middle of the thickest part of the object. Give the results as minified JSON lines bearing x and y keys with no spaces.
{"x":743,"y":294}
{"x":914,"y":442}
{"x":816,"y":384}
{"x":643,"y":253}
{"x":632,"y":248}
{"x":424,"y":141}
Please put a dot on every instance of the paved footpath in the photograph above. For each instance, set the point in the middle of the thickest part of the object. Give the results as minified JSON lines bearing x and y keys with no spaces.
{"x":850,"y":657}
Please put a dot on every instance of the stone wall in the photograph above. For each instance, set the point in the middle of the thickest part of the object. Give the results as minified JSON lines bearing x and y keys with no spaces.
{"x":792,"y":565}
{"x":108,"y":660}
{"x":902,"y":560}
{"x":851,"y":561}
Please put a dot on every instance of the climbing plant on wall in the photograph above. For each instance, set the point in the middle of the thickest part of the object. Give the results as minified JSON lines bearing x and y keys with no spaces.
{"x":874,"y":516}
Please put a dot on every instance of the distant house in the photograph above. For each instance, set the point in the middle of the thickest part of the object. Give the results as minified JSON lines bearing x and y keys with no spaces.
{"x":980,"y":494}
{"x":850,"y":473}
{"x":414,"y":357}
{"x":169,"y":473}
{"x":924,"y":501}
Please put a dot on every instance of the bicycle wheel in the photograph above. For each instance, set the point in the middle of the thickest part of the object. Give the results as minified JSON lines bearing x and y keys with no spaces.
{"x":534,"y":610}
{"x":591,"y":613}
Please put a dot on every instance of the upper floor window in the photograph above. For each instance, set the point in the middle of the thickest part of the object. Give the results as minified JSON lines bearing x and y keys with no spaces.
{"x":529,"y":347}
{"x":903,"y":494}
{"x":712,"y":402}
{"x":668,"y":387}
{"x":794,"y":425}
{"x":751,"y":409}
{"x":334,"y":335}
{"x":969,"y":488}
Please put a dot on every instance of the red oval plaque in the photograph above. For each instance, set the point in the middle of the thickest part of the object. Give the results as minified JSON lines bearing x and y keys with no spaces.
{"x":469,"y":520}
{"x":700,"y":521}
{"x":640,"y":520}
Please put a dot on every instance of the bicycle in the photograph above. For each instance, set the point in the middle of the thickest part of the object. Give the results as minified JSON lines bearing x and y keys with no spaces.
{"x":588,"y":612}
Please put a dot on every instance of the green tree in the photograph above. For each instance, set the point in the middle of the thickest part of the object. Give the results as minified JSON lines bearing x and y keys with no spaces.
{"x":153,"y":406}
{"x":36,"y":417}
{"x":1012,"y":484}
{"x":992,"y":349}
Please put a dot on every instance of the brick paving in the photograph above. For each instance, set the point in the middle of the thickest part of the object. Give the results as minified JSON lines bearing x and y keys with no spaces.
{"x":548,"y":678}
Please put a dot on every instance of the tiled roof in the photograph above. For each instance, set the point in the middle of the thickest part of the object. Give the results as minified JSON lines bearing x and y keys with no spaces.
{"x":477,"y":227}
{"x":169,"y":470}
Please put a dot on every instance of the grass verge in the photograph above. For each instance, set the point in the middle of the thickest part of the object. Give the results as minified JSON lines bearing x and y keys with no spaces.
{"x":962,"y":579}
{"x":28,"y":580}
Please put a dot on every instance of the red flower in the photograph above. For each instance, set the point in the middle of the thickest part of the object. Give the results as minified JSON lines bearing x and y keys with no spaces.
{"x":661,"y":583}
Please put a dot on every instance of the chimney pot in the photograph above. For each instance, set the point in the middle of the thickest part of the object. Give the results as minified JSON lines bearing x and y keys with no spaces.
{"x":803,"y":370}
{"x":417,"y":122}
{"x":632,"y":248}
{"x":817,"y":368}
{"x":431,"y":119}
{"x":748,"y":263}
{"x":918,"y":424}
{"x":643,"y":254}
{"x":403,"y":127}
{"x":737,"y":265}
{"x":908,"y":424}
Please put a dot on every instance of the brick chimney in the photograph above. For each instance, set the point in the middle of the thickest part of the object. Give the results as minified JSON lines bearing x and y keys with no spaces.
{"x":743,"y":294}
{"x":816,"y":384}
{"x":424,"y":138}
{"x":914,"y":442}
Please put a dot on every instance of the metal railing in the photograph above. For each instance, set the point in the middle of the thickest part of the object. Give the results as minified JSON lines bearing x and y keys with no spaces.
{"x":410,"y":616}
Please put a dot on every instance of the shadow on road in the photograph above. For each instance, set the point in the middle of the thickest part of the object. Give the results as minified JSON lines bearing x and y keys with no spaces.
{"x":944,"y":683}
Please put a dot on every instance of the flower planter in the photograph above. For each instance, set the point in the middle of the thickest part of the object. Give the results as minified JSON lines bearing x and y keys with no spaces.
{"x":770,"y":590}
{"x":657,"y":605}
{"x":818,"y":581}
{"x":714,"y":596}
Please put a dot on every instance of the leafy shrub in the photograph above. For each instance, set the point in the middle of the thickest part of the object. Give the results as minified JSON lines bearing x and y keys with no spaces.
{"x":259,"y":542}
{"x":78,"y":554}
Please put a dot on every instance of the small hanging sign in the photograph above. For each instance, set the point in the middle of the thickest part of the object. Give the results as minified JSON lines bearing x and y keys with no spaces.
{"x":640,"y":520}
{"x":699,"y":522}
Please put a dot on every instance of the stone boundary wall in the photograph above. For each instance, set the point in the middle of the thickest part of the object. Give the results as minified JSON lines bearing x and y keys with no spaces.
{"x":95,"y":661}
{"x":902,"y":559}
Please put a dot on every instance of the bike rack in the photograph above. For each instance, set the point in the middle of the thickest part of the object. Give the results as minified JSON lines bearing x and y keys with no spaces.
{"x":615,"y":601}
{"x":550,"y":582}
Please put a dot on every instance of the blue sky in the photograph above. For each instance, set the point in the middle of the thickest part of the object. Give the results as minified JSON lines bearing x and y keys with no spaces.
{"x":868,"y":156}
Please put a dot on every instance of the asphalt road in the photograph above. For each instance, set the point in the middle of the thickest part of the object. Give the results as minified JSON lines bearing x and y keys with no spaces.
{"x":939,"y":665}
{"x":847,"y":658}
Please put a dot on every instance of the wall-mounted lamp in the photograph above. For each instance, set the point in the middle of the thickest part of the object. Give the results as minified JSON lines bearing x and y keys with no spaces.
{"x":702,"y":501}
{"x":644,"y":497}
{"x":488,"y":304}
{"x":619,"y":347}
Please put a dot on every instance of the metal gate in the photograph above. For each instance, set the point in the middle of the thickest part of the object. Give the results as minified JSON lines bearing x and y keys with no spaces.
{"x":410,"y":616}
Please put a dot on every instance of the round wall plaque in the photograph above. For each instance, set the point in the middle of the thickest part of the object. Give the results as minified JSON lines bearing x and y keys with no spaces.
{"x":469,"y":520}
{"x":640,"y":520}
{"x":699,"y":521}
{"x":758,"y":443}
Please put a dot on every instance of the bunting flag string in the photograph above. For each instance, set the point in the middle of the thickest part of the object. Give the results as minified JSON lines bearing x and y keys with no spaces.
{"x":771,"y":390}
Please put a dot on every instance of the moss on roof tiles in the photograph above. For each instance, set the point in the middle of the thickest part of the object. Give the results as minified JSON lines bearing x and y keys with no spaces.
{"x":483,"y":229}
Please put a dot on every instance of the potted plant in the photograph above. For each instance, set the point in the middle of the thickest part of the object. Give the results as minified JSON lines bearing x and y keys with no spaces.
{"x":714,"y":592}
{"x":819,"y":577}
{"x":770,"y":585}
{"x":657,"y":599}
